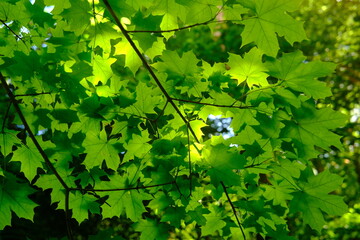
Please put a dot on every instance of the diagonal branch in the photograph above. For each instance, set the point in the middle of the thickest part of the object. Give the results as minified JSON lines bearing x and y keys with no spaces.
{"x":233,"y":209}
{"x":31,"y":134}
{"x":147,"y":66}
{"x":16,"y":35}
{"x":41,"y":151}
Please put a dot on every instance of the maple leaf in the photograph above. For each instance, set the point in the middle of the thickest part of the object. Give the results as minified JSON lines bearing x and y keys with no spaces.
{"x":132,"y":60}
{"x":101,"y":69}
{"x":173,"y":63}
{"x":270,"y":18}
{"x":103,"y":33}
{"x":99,"y":148}
{"x":214,"y":221}
{"x":126,"y":141}
{"x":299,"y":75}
{"x":137,"y":146}
{"x":14,"y":197}
{"x":223,"y":161}
{"x":77,"y":16}
{"x":7,"y":140}
{"x":30,"y":158}
{"x":249,"y":69}
{"x":146,"y":100}
{"x":82,"y":204}
{"x":312,"y":128}
{"x":314,"y":199}
{"x":150,"y":229}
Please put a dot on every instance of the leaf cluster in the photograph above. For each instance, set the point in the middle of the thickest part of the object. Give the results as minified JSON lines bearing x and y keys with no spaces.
{"x":102,"y":110}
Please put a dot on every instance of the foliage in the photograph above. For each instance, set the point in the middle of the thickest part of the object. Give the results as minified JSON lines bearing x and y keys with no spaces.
{"x":336,"y":38}
{"x":106,"y":113}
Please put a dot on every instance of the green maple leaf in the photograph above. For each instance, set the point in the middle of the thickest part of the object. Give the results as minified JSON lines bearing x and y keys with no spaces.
{"x":77,"y":16}
{"x":81,"y":204}
{"x":137,"y":146}
{"x":214,"y":221}
{"x":151,"y":229}
{"x":131,"y":201}
{"x":271,"y":18}
{"x":37,"y":13}
{"x":233,"y":12}
{"x":170,"y":11}
{"x":103,"y":33}
{"x":174,"y":215}
{"x":279,"y":193}
{"x":132,"y":60}
{"x":59,"y":6}
{"x":314,"y":199}
{"x":186,"y":65}
{"x":300,"y":75}
{"x":30,"y":158}
{"x":223,"y":161}
{"x":249,"y":69}
{"x":147,"y":99}
{"x":7,"y":140}
{"x":312,"y":129}
{"x":50,"y":181}
{"x":144,"y":22}
{"x":14,"y":198}
{"x":200,"y":11}
{"x":287,"y":170}
{"x":101,"y":69}
{"x":99,"y":148}
{"x":11,"y":11}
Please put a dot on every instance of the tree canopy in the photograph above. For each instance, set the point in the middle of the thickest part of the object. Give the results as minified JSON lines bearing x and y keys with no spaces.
{"x":105,"y":104}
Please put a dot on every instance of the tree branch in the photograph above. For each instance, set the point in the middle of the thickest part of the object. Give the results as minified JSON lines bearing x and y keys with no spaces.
{"x":16,"y":35}
{"x":31,"y":134}
{"x":121,"y":189}
{"x":146,"y":65}
{"x":211,"y":104}
{"x":32,"y":94}
{"x":233,"y":209}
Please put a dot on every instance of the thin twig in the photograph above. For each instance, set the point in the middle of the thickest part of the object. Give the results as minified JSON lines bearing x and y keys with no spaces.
{"x":211,"y":20}
{"x":233,"y":209}
{"x":31,"y":94}
{"x":190,"y":170}
{"x":5,"y":117}
{"x":146,"y":64}
{"x":16,"y":35}
{"x":121,"y":189}
{"x":211,"y":104}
